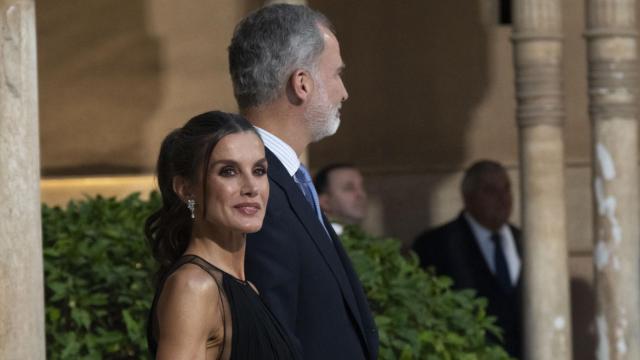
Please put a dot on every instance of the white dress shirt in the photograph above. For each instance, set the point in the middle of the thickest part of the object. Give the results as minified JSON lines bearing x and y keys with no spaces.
{"x":338,"y":228}
{"x":281,"y":150}
{"x":287,"y":157}
{"x":487,"y":246}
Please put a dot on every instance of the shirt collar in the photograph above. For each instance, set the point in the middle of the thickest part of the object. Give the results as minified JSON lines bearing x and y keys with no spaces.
{"x":480,"y":231}
{"x":338,"y":228}
{"x":487,"y":247}
{"x":281,"y":150}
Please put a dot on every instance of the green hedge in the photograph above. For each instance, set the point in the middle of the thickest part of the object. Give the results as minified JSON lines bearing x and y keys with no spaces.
{"x":418,"y":315}
{"x":98,"y":289}
{"x":97,"y":278}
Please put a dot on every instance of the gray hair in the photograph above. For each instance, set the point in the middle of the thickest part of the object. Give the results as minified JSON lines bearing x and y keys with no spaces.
{"x":268,"y":45}
{"x":473,"y":174}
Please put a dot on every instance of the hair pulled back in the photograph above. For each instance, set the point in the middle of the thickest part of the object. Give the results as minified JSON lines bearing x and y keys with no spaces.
{"x":185,"y":152}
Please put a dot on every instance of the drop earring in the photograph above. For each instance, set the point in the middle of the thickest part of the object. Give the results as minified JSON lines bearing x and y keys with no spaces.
{"x":191,"y":205}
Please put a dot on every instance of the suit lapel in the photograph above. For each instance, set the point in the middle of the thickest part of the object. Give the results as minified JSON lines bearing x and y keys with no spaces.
{"x":480,"y":262}
{"x":279,"y":175}
{"x":481,"y":275}
{"x":475,"y":254}
{"x":348,"y":267}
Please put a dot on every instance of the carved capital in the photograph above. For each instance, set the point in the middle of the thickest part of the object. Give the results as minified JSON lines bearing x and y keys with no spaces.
{"x":539,"y":94}
{"x":611,"y":14}
{"x":612,"y":47}
{"x":537,"y":42}
{"x":612,"y":89}
{"x":537,"y":16}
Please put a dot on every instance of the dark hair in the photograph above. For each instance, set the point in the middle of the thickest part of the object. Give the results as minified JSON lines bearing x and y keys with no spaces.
{"x":185,"y":152}
{"x":472,"y":175}
{"x":268,"y":45}
{"x":321,"y":181}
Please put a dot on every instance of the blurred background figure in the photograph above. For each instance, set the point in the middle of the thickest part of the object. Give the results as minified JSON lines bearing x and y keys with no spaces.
{"x":342,"y":195}
{"x":480,"y":250}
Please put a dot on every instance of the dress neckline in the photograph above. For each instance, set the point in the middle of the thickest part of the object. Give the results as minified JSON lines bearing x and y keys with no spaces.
{"x":240,"y":281}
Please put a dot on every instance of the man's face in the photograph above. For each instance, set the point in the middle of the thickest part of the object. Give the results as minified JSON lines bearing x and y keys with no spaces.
{"x":345,"y":200}
{"x":491,"y":203}
{"x":323,"y":111}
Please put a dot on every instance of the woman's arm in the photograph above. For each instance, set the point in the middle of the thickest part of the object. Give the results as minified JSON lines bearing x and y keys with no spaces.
{"x":188,"y":315}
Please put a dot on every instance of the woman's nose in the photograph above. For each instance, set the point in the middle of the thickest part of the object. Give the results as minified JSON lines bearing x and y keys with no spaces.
{"x":250,"y":186}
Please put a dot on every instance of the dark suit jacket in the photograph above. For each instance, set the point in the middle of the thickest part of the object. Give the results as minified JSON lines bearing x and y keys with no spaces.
{"x":306,"y":278}
{"x":453,"y":251}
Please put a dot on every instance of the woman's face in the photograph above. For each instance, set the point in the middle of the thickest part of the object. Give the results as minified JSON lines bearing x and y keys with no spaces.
{"x":237,"y":185}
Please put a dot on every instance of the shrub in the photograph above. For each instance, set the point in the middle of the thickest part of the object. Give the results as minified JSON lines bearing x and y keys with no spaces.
{"x":97,"y":278}
{"x":98,"y":289}
{"x":418,"y":315}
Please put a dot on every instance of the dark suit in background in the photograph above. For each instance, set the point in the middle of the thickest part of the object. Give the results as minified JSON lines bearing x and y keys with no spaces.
{"x":306,"y":278}
{"x":453,"y":251}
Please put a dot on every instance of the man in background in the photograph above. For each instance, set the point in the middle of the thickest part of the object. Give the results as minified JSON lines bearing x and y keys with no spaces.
{"x":480,"y":250}
{"x":286,"y":70}
{"x":342,"y":195}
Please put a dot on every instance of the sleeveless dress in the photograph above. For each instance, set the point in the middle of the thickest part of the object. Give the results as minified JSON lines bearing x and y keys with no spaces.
{"x":251,"y":332}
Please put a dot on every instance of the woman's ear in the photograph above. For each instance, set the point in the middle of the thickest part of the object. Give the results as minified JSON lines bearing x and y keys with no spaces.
{"x":301,"y":84}
{"x":182,"y":187}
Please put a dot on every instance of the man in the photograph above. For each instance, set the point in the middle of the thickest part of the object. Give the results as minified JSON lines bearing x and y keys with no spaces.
{"x":479,"y":250}
{"x":342,"y":195}
{"x":286,"y":68}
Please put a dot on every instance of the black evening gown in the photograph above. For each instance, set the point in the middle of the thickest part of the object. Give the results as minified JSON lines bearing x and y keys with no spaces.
{"x":251,"y":331}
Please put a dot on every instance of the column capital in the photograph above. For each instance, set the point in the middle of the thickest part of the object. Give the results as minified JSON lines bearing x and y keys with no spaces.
{"x":537,"y":43}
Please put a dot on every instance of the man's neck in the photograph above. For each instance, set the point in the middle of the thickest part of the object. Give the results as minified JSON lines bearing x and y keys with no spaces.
{"x":489,"y":227}
{"x":285,"y":123}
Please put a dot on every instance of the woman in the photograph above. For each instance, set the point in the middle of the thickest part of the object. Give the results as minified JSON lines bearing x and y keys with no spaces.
{"x":212,"y":175}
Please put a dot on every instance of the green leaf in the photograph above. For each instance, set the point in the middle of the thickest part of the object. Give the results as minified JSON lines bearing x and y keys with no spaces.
{"x":81,"y":317}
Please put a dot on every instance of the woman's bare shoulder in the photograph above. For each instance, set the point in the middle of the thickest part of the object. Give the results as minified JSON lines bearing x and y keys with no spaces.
{"x":189,"y":288}
{"x":188,"y":312}
{"x":192,"y":280}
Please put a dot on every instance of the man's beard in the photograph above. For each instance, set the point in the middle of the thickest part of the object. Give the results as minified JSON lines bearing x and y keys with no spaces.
{"x":322,"y":118}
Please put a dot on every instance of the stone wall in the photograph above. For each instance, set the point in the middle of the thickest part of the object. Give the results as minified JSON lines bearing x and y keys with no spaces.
{"x":431,"y":89}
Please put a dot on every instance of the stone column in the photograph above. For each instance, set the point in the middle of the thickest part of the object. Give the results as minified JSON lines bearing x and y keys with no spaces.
{"x":612,"y":51}
{"x":22,"y":333}
{"x":537,"y":46}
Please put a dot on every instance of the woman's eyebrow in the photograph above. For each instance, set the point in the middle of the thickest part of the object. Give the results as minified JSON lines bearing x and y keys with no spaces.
{"x":223,"y":161}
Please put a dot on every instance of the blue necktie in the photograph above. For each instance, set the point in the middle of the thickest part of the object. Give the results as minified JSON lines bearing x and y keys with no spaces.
{"x":303,"y":179}
{"x":500,"y":261}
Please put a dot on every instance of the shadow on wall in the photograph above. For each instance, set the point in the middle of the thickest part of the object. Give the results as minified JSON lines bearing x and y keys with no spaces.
{"x":99,"y":78}
{"x":250,"y":6}
{"x":415,"y":72}
{"x":582,"y":315}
